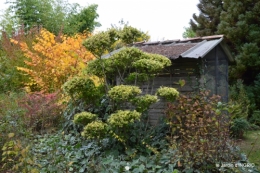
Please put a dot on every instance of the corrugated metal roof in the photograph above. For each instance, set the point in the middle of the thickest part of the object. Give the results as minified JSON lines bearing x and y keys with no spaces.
{"x":112,"y":53}
{"x":201,"y":49}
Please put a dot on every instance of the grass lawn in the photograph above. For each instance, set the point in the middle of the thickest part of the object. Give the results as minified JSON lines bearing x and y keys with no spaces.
{"x":250,"y":145}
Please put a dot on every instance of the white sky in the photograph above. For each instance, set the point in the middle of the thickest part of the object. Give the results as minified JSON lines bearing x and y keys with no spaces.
{"x":163,"y":19}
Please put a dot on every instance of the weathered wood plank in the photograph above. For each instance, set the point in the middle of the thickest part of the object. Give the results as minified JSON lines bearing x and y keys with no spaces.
{"x":183,"y":89}
{"x":157,"y":111}
{"x":156,"y":116}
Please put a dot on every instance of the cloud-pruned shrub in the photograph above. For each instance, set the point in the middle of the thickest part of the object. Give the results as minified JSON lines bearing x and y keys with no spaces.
{"x":95,"y":130}
{"x":84,"y":118}
{"x":169,"y":94}
{"x":122,"y":119}
{"x":123,"y":93}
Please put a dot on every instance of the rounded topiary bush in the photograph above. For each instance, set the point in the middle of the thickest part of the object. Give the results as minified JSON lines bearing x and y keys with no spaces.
{"x":95,"y":130}
{"x":143,"y":103}
{"x":170,"y":94}
{"x":124,"y":92}
{"x":123,"y":118}
{"x":81,"y":87}
{"x":84,"y":118}
{"x":78,"y":85}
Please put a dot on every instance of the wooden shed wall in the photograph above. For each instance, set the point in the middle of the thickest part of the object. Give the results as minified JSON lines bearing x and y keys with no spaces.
{"x":211,"y":72}
{"x":182,"y":69}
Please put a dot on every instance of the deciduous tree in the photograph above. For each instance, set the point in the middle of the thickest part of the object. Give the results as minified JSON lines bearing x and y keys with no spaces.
{"x":84,"y":20}
{"x":8,"y":23}
{"x":55,"y":15}
{"x":32,"y":12}
{"x":11,"y":57}
{"x":51,"y":62}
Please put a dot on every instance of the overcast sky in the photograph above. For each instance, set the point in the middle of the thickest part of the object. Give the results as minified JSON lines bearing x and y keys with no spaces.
{"x":163,"y":19}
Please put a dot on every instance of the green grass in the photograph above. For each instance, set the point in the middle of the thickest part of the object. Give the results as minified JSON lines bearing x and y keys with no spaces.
{"x":250,"y":145}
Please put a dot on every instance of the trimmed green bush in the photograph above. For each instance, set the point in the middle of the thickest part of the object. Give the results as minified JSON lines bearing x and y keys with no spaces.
{"x":122,"y":119}
{"x":143,"y":103}
{"x":95,"y":130}
{"x":169,"y":94}
{"x":84,"y":118}
{"x":123,"y":93}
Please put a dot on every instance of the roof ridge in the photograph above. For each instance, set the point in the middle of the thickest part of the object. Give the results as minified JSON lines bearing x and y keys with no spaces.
{"x":165,"y":42}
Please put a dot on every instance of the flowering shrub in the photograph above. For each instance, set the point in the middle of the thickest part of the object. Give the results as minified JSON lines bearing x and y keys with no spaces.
{"x":143,"y":103}
{"x":123,"y":118}
{"x":170,"y":94}
{"x":123,"y":92}
{"x":84,"y":118}
{"x":95,"y":130}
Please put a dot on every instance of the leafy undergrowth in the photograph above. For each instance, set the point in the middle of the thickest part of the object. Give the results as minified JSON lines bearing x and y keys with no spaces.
{"x":148,"y":149}
{"x":250,"y":145}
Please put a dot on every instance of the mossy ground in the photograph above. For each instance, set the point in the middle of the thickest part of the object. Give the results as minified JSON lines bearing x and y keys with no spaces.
{"x":250,"y":145}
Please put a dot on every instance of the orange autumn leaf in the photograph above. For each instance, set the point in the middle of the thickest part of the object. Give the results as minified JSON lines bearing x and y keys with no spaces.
{"x":50,"y":63}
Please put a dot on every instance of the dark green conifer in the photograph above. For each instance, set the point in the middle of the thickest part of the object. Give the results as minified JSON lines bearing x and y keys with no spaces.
{"x":207,"y":21}
{"x":240,"y":23}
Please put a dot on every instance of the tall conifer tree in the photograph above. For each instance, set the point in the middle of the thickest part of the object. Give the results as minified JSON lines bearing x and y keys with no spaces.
{"x":207,"y":21}
{"x":240,"y":23}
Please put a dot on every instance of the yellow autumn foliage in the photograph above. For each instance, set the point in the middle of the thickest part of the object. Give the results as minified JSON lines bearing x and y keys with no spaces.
{"x":51,"y":61}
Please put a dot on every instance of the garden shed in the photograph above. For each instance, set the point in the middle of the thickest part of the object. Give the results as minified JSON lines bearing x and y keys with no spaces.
{"x":200,"y":62}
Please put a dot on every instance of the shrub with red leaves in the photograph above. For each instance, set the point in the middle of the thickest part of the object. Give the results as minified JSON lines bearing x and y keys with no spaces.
{"x":43,"y":111}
